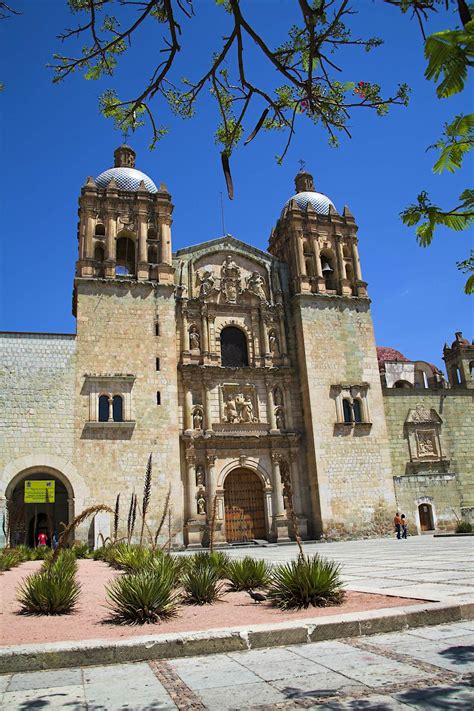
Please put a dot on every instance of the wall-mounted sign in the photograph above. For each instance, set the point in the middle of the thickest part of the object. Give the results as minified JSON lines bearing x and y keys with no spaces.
{"x":39,"y":491}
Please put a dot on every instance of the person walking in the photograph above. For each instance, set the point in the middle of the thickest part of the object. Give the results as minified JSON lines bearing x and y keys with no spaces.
{"x":404,"y":524}
{"x":42,"y":539}
{"x":397,"y":522}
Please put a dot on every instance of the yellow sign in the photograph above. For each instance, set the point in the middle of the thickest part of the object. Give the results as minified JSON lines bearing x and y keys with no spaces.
{"x":39,"y":492}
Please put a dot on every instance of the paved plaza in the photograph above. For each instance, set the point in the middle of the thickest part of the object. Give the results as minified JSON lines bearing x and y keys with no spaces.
{"x":422,"y":566}
{"x":428,"y":668}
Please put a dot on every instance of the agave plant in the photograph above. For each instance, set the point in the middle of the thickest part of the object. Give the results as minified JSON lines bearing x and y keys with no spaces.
{"x":129,"y":557}
{"x":64,"y":565}
{"x":248,"y":574}
{"x":9,"y":559}
{"x":202,"y":585}
{"x":144,"y":597}
{"x":217,"y":561}
{"x":48,"y":592}
{"x":306,"y":581}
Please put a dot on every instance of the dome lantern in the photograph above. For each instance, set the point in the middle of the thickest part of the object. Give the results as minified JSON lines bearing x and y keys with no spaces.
{"x":124,"y":157}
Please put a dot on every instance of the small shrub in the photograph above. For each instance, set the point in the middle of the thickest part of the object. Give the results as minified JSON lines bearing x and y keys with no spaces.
{"x":144,"y":597}
{"x":463,"y":527}
{"x":248,"y":574}
{"x":304,"y":582}
{"x":64,"y":565}
{"x":201,"y":584}
{"x":48,"y":593}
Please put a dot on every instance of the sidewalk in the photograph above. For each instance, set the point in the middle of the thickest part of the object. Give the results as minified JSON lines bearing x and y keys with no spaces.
{"x":425,"y":668}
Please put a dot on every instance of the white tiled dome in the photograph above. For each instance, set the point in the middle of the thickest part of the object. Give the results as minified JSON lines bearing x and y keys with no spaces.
{"x":126,"y":179}
{"x":318,"y":201}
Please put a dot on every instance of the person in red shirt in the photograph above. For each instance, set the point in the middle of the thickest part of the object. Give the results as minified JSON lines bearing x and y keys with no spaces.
{"x":397,"y":522}
{"x":42,"y":539}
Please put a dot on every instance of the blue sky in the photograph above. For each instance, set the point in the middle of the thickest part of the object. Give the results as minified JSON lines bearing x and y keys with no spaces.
{"x":53,"y":137}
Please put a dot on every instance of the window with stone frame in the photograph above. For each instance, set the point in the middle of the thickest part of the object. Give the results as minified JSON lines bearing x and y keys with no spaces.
{"x":110,"y":399}
{"x":351,"y":403}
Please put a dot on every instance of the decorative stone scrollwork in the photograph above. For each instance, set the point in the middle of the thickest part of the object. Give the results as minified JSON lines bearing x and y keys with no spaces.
{"x":230,"y":280}
{"x":206,"y":283}
{"x":256,"y":285}
{"x":421,"y":413}
{"x":194,"y":339}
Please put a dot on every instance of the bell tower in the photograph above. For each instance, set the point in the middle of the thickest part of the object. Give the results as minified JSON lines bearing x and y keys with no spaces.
{"x":126,"y":374}
{"x":125,"y":224}
{"x":346,"y":437}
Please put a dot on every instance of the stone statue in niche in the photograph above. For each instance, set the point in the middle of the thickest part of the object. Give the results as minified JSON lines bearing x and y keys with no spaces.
{"x":280,"y":418}
{"x":246,"y":409}
{"x":200,"y":476}
{"x":201,"y":504}
{"x":426,"y":444}
{"x":194,"y":339}
{"x":273,"y":342}
{"x":230,"y":280}
{"x":256,"y":285}
{"x":206,"y":283}
{"x":197,"y":419}
{"x":278,"y":396}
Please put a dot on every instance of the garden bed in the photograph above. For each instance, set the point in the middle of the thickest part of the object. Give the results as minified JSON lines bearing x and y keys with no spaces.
{"x":90,"y":619}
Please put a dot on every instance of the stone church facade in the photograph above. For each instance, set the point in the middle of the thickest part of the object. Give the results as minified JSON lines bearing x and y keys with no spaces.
{"x":252,"y":378}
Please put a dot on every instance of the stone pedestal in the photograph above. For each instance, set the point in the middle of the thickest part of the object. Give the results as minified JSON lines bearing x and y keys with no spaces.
{"x":194,"y":529}
{"x":280,"y":527}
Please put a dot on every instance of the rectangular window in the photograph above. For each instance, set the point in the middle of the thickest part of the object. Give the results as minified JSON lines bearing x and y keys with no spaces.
{"x":157,"y":328}
{"x":157,"y":363}
{"x":158,"y":398}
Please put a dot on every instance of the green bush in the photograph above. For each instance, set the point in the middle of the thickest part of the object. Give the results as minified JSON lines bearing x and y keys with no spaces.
{"x":201,"y":584}
{"x":65,"y":564}
{"x":464,"y":527}
{"x":304,"y":582}
{"x":48,"y":592}
{"x":144,"y":597}
{"x":248,"y":574}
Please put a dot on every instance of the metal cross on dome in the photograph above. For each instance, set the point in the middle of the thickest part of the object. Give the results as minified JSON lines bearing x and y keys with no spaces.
{"x":125,"y":134}
{"x":302,"y":164}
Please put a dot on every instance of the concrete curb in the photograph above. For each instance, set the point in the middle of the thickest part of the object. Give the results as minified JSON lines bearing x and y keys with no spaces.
{"x":61,"y":655}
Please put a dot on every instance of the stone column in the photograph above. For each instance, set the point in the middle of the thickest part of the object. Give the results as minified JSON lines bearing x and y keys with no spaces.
{"x":271,"y":408}
{"x":204,"y":332}
{"x":191,"y":487}
{"x":111,"y":409}
{"x":340,"y":258}
{"x":184,"y":328}
{"x":300,"y":255}
{"x":356,"y":260}
{"x":110,"y":243}
{"x":188,"y":406}
{"x":211,"y":483}
{"x":166,"y":243}
{"x":265,"y":344}
{"x":278,"y":504}
{"x":142,"y":269}
{"x":284,"y":346}
{"x":207,"y":408}
{"x":90,"y":226}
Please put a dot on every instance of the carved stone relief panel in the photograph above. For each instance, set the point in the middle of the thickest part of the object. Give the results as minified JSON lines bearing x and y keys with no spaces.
{"x":426,"y":443}
{"x":239,"y":404}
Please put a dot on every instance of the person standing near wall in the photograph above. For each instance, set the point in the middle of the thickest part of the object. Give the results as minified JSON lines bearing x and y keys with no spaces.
{"x":397,"y":522}
{"x":404,"y":524}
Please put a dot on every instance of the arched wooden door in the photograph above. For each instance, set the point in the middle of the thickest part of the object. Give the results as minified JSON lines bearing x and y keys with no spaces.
{"x":244,"y":506}
{"x":426,"y":517}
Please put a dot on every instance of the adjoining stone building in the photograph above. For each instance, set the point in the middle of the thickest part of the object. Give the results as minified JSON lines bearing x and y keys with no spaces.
{"x":251,"y":377}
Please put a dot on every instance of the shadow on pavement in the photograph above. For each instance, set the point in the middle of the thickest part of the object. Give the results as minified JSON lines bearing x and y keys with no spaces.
{"x":459,"y":655}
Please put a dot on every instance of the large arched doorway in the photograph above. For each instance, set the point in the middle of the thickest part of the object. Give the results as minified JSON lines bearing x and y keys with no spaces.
{"x":244,"y":506}
{"x":28,"y":518}
{"x":426,"y":517}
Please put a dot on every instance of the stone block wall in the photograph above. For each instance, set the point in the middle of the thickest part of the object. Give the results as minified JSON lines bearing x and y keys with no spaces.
{"x":448,"y":487}
{"x":116,"y":335}
{"x":36,"y":395}
{"x":348,"y":467}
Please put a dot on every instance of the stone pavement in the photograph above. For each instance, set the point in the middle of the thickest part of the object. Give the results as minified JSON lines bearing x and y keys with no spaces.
{"x":421,"y":567}
{"x":427,"y":668}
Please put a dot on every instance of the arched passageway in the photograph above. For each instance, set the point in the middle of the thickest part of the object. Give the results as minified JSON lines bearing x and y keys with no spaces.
{"x":244,"y":506}
{"x":28,"y":518}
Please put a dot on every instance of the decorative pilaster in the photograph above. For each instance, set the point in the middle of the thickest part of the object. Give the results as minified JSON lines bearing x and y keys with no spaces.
{"x":142,"y":270}
{"x":188,"y":407}
{"x":110,"y":246}
{"x":271,"y":409}
{"x":207,"y":409}
{"x":211,"y":482}
{"x":165,"y":234}
{"x":280,"y":521}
